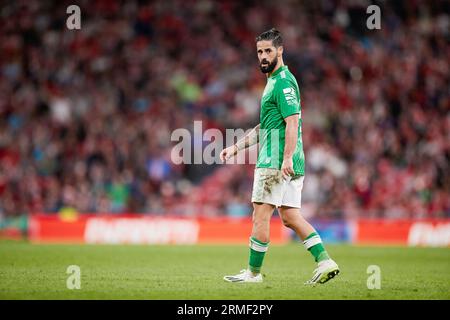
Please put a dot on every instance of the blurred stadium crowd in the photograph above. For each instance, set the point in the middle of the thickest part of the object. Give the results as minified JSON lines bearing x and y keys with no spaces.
{"x":87,"y":115}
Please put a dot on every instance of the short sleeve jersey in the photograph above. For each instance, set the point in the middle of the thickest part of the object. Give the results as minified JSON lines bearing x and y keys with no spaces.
{"x":280,"y":99}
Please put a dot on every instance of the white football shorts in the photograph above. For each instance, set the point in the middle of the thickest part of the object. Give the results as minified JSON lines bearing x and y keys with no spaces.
{"x":270,"y":187}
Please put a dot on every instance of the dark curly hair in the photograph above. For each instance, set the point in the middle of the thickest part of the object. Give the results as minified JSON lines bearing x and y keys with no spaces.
{"x":274,"y":35}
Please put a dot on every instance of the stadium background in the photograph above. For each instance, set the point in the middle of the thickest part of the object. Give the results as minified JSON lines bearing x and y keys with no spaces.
{"x":86,"y":115}
{"x":86,"y":119}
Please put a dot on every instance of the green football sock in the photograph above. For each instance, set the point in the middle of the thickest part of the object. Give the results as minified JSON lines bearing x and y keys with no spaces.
{"x":257,"y":251}
{"x":313,"y":243}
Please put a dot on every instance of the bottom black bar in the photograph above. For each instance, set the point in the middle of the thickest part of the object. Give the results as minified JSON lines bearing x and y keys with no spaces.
{"x":214,"y":309}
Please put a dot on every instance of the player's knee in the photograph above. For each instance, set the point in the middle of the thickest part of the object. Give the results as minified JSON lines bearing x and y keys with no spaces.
{"x":286,"y":222}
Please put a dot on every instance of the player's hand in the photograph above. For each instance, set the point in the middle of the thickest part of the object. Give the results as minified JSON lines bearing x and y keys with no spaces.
{"x":227,"y":153}
{"x":287,"y":168}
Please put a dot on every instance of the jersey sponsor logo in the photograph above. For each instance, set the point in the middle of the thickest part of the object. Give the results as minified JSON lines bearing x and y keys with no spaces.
{"x":289,"y":94}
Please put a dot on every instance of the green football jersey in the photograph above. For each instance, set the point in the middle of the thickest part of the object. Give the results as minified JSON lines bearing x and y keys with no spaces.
{"x":280,"y":99}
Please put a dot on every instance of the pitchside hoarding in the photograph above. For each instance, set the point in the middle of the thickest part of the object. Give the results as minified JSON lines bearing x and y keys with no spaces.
{"x":141,"y":229}
{"x":144,"y":229}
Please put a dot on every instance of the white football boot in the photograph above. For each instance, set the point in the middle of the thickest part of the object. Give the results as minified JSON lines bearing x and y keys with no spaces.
{"x":245,"y":276}
{"x":326,"y":270}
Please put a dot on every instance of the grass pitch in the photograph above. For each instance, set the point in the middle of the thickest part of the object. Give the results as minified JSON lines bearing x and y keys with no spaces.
{"x":195,"y":272}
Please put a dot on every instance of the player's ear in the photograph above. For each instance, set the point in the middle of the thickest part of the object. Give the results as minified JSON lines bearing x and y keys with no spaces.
{"x":280,"y":51}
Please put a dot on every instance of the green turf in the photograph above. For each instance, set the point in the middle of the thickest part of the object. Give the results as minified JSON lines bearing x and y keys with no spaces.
{"x":195,"y":272}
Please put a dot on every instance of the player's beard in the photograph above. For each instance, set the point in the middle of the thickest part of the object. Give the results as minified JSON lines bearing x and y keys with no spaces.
{"x":268,"y":68}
